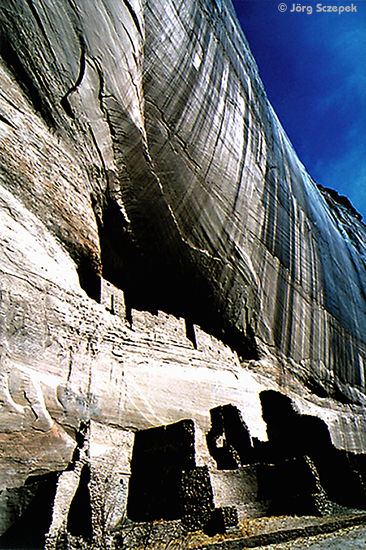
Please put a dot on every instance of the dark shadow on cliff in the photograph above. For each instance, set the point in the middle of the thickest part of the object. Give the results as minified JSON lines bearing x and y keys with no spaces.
{"x":28,"y":531}
{"x":228,"y":440}
{"x":166,"y":484}
{"x":153,"y":281}
{"x":79,"y":521}
{"x":299,"y":469}
{"x":89,"y":277}
{"x":150,"y":259}
{"x":160,"y":455}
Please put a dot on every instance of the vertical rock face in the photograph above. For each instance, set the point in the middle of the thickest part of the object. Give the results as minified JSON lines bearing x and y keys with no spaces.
{"x":164,"y":254}
{"x":277,"y":261}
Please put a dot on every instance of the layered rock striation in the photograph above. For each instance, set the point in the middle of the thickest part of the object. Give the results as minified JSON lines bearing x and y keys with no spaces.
{"x":166,"y":259}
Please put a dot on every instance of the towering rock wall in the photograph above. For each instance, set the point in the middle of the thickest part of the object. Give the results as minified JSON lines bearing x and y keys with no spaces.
{"x":138,"y":145}
{"x":280,"y":264}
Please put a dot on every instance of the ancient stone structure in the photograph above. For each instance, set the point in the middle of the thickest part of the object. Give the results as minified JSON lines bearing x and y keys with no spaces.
{"x":183,"y":309}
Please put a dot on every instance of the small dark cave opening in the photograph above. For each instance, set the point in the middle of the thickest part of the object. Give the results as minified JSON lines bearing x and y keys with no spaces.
{"x":89,"y":278}
{"x":28,"y":531}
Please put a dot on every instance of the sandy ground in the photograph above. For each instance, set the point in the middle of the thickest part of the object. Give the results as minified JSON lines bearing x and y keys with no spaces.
{"x":346,"y":539}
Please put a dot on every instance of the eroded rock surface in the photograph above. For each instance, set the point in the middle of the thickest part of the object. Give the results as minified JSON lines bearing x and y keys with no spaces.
{"x":166,"y":258}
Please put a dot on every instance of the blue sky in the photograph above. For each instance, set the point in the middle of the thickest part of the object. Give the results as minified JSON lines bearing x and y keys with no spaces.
{"x":313,"y":66}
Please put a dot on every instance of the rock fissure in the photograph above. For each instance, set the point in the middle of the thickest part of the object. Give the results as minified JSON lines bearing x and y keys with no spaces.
{"x":64,"y":101}
{"x":6,"y":121}
{"x":30,"y":405}
{"x":134,"y":17}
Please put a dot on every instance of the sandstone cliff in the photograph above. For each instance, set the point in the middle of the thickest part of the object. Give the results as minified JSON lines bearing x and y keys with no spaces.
{"x":164,"y":254}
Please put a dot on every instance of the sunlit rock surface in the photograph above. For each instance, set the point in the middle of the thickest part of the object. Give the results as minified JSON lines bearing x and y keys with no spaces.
{"x":164,"y":254}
